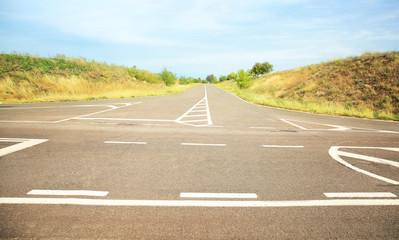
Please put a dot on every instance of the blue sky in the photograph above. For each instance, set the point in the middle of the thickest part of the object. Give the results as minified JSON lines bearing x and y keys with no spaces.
{"x":199,"y":37}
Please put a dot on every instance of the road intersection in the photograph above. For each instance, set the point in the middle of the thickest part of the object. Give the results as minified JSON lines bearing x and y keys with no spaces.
{"x":168,"y":161}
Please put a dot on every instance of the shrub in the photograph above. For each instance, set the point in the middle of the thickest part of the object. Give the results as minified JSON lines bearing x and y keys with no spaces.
{"x":243,"y":79}
{"x":168,"y":77}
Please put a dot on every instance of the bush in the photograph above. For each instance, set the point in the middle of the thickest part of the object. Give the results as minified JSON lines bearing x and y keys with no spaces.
{"x":232,"y":76}
{"x":243,"y":79}
{"x":168,"y":77}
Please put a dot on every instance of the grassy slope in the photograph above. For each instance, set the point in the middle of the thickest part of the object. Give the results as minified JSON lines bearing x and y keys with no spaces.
{"x":365,"y":86}
{"x":25,"y":78}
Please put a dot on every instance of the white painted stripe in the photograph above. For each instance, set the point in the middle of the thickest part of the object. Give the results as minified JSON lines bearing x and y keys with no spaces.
{"x":203,"y":115}
{"x":118,"y":142}
{"x":218,"y":195}
{"x":368,"y":158}
{"x":127,"y":119}
{"x":360,"y":195}
{"x":198,"y":111}
{"x":282,"y":146}
{"x":69,"y":193}
{"x":198,"y":203}
{"x":90,"y":114}
{"x":24,"y":143}
{"x":293,"y":124}
{"x":203,"y":144}
{"x":207,"y":108}
{"x":191,"y":121}
{"x":333,"y":151}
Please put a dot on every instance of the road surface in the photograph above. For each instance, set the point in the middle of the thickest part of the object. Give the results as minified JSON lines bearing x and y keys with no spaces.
{"x":201,"y":164}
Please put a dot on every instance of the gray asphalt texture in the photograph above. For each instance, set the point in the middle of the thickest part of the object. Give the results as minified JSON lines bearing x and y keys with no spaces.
{"x":77,"y":157}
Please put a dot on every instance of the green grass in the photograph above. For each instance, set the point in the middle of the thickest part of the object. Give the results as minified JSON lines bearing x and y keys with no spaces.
{"x":366,"y":86}
{"x":24,"y":78}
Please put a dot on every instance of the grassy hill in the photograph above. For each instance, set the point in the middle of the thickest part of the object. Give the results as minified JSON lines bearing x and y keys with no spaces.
{"x":25,"y":78}
{"x":364,"y":86}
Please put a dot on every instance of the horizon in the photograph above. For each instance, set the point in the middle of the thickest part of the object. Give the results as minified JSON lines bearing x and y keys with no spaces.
{"x":199,"y":38}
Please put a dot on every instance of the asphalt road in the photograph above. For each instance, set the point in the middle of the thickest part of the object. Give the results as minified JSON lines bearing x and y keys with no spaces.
{"x":202,"y":164}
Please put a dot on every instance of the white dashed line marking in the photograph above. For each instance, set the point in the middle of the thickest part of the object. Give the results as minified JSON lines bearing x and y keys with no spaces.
{"x":218,"y":195}
{"x":203,"y":144}
{"x":360,"y":195}
{"x":69,"y":193}
{"x":118,"y":142}
{"x":281,"y":146}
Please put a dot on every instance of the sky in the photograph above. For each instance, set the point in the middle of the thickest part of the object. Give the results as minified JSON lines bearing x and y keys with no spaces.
{"x":195,"y":38}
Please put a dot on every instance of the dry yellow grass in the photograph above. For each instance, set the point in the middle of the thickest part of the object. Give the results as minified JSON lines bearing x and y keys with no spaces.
{"x":29,"y":79}
{"x":365,"y":86}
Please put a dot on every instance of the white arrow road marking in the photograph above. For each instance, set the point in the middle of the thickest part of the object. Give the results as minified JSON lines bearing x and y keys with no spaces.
{"x":335,"y":154}
{"x":21,"y":144}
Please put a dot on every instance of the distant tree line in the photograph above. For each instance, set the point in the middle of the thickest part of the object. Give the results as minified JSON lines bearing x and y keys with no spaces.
{"x":244,"y":79}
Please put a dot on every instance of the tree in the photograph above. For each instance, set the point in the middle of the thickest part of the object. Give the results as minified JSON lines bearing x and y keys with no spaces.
{"x":168,"y":77}
{"x":232,"y":76}
{"x":261,"y":68}
{"x":211,"y":79}
{"x":243,"y":79}
{"x":222,"y":78}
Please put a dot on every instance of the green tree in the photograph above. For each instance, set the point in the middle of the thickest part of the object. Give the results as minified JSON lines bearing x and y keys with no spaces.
{"x":243,"y":79}
{"x":168,"y":77}
{"x":232,"y":76}
{"x":222,"y":78}
{"x":211,"y":79}
{"x":261,"y":68}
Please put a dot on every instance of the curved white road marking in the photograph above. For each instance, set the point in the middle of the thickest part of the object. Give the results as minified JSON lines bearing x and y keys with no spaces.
{"x":335,"y":154}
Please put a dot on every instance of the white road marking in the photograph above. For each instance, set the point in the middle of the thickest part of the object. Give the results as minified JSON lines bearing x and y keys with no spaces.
{"x":128,"y":119}
{"x":117,"y":142}
{"x":335,"y":154}
{"x":201,"y":106}
{"x":198,"y":203}
{"x":217,"y":195}
{"x":69,"y":193}
{"x":293,"y":124}
{"x":203,"y":144}
{"x":203,"y":115}
{"x":112,"y":107}
{"x":281,"y":146}
{"x":155,"y":124}
{"x":21,"y":144}
{"x":360,"y":195}
{"x":334,"y":127}
{"x":90,"y":114}
{"x":368,"y":158}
